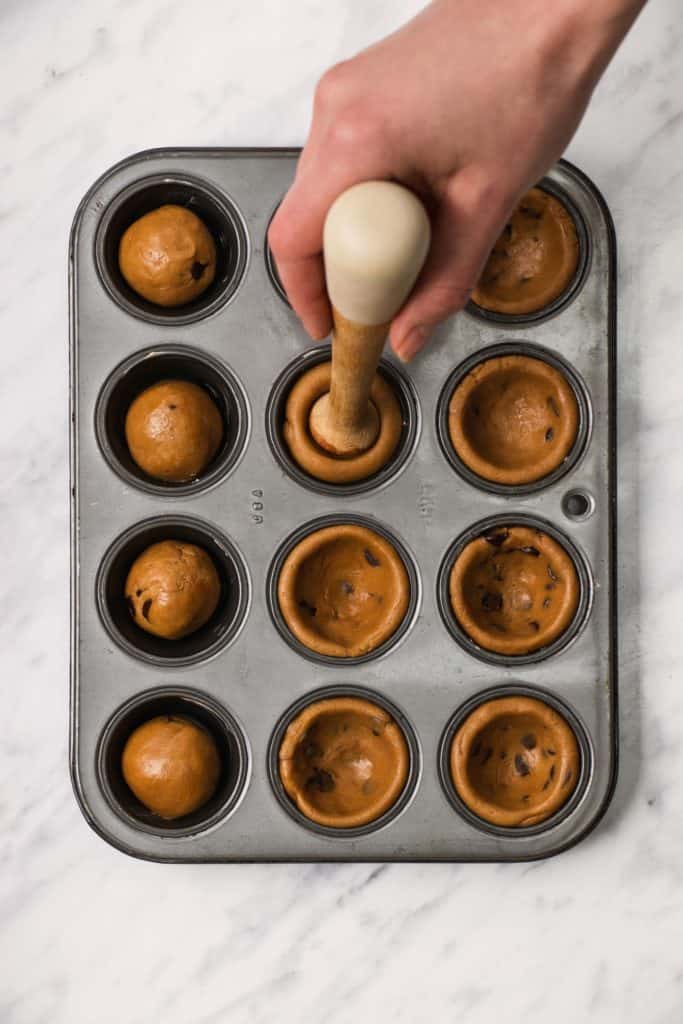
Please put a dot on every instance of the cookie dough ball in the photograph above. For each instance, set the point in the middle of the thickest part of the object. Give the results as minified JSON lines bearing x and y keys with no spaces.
{"x":533,"y":261}
{"x":172,"y":589}
{"x":513,"y":419}
{"x":514,"y":590}
{"x":343,"y":762}
{"x":514,"y":761}
{"x":343,"y":590}
{"x":171,"y":765}
{"x":173,"y":430}
{"x":168,"y":256}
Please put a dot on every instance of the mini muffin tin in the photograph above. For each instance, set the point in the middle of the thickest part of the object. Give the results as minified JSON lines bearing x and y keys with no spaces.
{"x":242,"y":675}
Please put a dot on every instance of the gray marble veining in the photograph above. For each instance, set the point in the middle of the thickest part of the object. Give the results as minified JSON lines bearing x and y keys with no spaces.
{"x":89,"y":935}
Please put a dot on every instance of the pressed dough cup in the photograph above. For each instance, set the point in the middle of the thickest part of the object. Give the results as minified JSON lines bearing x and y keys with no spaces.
{"x":514,"y":590}
{"x":343,"y":590}
{"x":343,"y":762}
{"x":172,"y":765}
{"x":173,"y":430}
{"x":514,"y":761}
{"x":314,"y":459}
{"x":513,"y":419}
{"x":534,"y":259}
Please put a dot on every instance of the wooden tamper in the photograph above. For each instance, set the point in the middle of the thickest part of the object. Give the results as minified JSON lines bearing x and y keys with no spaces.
{"x":375,"y":242}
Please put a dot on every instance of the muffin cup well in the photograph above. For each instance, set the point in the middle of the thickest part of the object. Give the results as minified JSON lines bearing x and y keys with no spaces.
{"x":216,"y":210}
{"x":275,"y":417}
{"x":482,"y":528}
{"x":202,"y":710}
{"x":514,"y":690}
{"x":217,"y":633}
{"x":312,"y":527}
{"x":573,"y":288}
{"x":533,"y":351}
{"x":414,"y":765}
{"x":170,"y":362}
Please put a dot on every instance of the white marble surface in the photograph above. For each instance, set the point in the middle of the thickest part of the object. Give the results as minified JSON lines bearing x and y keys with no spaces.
{"x":87,"y":934}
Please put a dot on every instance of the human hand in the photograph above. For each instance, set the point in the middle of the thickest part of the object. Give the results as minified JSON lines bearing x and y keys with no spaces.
{"x":468,"y":104}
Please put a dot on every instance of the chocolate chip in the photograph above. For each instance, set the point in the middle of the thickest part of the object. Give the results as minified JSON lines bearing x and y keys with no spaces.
{"x":525,"y":798}
{"x":567,"y":777}
{"x":198,"y":269}
{"x":552,"y":404}
{"x":521,"y":767}
{"x":307,"y":607}
{"x":491,"y":602}
{"x":552,"y":771}
{"x":553,"y":577}
{"x":524,"y":280}
{"x":530,"y":550}
{"x":497,"y":538}
{"x":487,"y":755}
{"x":138,"y":593}
{"x":476,"y":747}
{"x":549,"y":434}
{"x":528,"y":741}
{"x":370,"y":558}
{"x":312,"y":750}
{"x":503,"y":754}
{"x":498,"y":627}
{"x":322,"y":780}
{"x":507,"y":230}
{"x":146,"y":607}
{"x":534,"y":625}
{"x":347,"y":587}
{"x":546,"y":602}
{"x":172,"y":406}
{"x":529,"y":211}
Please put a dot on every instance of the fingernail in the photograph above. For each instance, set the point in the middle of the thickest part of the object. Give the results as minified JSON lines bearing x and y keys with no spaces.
{"x":414,"y":341}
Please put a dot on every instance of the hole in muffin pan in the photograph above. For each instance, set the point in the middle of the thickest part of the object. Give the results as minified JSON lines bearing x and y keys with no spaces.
{"x":414,"y":767}
{"x":171,"y":362}
{"x":578,"y":505}
{"x":451,"y":623}
{"x":275,"y":415}
{"x":513,"y":690}
{"x":218,"y":213}
{"x":226,"y":621}
{"x":291,"y":542}
{"x":573,"y":288}
{"x":203,"y":711}
{"x":532,"y":351}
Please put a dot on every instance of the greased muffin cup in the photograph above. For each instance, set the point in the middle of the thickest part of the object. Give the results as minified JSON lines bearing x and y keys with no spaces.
{"x":244,"y":674}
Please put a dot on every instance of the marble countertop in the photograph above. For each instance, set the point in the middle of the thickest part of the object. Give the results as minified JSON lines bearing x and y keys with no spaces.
{"x":90,"y":935}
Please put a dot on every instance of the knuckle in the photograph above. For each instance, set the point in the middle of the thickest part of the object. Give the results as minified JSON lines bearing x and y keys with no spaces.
{"x":333,"y":86}
{"x":354,"y":128}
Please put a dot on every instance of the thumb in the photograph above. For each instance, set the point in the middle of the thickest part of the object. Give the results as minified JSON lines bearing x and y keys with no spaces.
{"x":468,"y":222}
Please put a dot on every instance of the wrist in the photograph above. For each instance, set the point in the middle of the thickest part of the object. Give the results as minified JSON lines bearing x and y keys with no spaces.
{"x":594,"y":30}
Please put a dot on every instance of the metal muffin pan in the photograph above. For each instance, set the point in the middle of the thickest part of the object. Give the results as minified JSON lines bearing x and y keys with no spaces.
{"x":242,"y":677}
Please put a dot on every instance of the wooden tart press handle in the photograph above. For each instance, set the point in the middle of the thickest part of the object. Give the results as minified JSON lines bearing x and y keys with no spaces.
{"x":375,"y":241}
